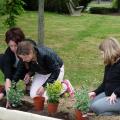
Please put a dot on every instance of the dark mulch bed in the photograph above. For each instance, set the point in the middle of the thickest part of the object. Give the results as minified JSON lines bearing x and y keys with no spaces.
{"x":28,"y":107}
{"x":65,"y":111}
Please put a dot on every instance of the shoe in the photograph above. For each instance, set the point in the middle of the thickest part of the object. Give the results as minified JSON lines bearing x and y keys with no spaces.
{"x":65,"y":94}
{"x":70,"y":88}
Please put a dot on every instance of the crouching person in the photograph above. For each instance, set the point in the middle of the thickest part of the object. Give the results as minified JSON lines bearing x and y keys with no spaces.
{"x":106,"y":98}
{"x":44,"y":65}
{"x":9,"y":61}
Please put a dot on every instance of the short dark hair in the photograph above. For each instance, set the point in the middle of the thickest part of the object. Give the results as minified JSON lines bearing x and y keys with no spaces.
{"x":15,"y":34}
{"x":25,"y":47}
{"x":32,"y":41}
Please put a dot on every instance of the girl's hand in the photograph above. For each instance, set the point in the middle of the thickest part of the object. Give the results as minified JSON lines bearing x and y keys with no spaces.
{"x":27,"y":78}
{"x":112,"y":98}
{"x":92,"y":95}
{"x":40,"y":91}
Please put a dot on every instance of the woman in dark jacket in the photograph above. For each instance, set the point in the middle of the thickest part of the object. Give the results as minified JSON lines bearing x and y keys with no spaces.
{"x":45,"y":65}
{"x":106,"y":98}
{"x":9,"y":60}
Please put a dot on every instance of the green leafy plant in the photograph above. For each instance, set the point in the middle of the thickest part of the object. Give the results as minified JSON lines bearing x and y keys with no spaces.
{"x":53,"y":91}
{"x":81,"y":99}
{"x":116,"y":4}
{"x":2,"y":7}
{"x":14,"y":95}
{"x":13,"y":8}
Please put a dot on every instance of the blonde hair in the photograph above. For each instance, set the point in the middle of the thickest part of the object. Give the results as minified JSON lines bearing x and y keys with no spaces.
{"x":111,"y":49}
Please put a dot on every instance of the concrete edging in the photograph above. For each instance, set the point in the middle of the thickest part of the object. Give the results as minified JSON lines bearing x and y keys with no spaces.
{"x":7,"y":114}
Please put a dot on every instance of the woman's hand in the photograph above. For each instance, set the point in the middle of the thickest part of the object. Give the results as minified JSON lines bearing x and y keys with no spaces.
{"x":27,"y":78}
{"x":7,"y":84}
{"x":7,"y":88}
{"x":8,"y":104}
{"x":92,"y":95}
{"x":40,"y":91}
{"x":112,"y":98}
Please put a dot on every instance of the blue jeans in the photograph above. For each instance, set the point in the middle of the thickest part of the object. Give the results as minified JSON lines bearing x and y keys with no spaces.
{"x":101,"y":106}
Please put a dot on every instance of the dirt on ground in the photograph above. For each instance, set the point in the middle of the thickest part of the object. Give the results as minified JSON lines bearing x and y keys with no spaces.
{"x":65,"y":110}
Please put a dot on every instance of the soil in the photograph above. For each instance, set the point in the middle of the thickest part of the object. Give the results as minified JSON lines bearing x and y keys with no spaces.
{"x":65,"y":110}
{"x":27,"y":106}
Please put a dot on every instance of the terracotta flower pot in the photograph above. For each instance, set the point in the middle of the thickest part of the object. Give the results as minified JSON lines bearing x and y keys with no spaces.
{"x":39,"y":103}
{"x":52,"y":107}
{"x":1,"y":88}
{"x":79,"y":115}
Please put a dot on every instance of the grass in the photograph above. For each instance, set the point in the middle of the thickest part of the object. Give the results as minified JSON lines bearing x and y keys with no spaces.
{"x":75,"y":39}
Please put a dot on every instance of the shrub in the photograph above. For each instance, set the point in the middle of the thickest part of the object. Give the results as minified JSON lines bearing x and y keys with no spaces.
{"x":53,"y":91}
{"x":84,"y":3}
{"x":81,"y":99}
{"x":101,"y":10}
{"x":14,"y":96}
{"x":58,"y":6}
{"x":2,"y":7}
{"x":116,"y":4}
{"x":31,"y":4}
{"x":13,"y":8}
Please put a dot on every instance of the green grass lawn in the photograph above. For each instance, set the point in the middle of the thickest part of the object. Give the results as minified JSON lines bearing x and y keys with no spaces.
{"x":75,"y":39}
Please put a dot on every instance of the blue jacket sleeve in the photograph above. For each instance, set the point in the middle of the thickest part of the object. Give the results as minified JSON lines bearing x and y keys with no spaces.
{"x":53,"y":65}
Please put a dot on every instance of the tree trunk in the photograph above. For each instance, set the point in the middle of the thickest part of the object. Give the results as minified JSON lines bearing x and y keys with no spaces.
{"x":41,"y":23}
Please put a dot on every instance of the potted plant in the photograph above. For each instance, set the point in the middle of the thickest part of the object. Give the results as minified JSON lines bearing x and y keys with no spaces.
{"x":14,"y":96}
{"x":81,"y":103}
{"x":39,"y":103}
{"x":53,"y":92}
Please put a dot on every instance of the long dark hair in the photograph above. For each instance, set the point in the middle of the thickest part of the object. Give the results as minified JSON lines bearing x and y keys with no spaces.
{"x":15,"y":34}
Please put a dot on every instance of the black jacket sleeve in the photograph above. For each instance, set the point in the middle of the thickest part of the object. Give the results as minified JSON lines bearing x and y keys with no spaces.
{"x":53,"y":65}
{"x":7,"y":67}
{"x":101,"y":88}
{"x":20,"y":72}
{"x":117,"y":91}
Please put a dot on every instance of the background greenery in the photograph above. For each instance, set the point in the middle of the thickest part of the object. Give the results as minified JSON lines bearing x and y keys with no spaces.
{"x":75,"y":39}
{"x":60,"y":6}
{"x":2,"y":6}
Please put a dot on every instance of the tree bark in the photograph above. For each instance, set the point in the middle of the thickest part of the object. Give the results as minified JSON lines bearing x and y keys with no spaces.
{"x":41,"y":23}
